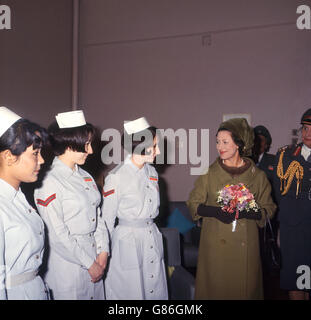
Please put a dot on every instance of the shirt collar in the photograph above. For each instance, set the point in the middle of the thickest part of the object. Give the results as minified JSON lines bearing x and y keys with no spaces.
{"x":63,"y":168}
{"x":7,"y":191}
{"x":260,"y":157}
{"x":305,"y":151}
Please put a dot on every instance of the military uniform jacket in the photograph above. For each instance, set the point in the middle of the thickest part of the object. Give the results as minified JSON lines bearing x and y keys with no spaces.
{"x":69,"y":204}
{"x":21,"y":246}
{"x":294,"y":210}
{"x":136,"y":269}
{"x":229,"y":265}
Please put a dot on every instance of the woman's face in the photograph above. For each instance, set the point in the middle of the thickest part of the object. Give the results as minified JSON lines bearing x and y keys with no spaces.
{"x":225,"y":145}
{"x":27,"y":166}
{"x":306,"y":135}
{"x":152,"y":151}
{"x":79,"y":158}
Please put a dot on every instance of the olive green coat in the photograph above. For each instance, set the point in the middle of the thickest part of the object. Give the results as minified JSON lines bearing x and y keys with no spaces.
{"x":229,"y":265}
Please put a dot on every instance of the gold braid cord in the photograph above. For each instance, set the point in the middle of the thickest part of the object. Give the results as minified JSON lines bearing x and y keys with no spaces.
{"x":294,"y":169}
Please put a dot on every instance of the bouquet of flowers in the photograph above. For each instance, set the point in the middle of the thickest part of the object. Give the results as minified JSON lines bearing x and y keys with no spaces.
{"x":236,"y":198}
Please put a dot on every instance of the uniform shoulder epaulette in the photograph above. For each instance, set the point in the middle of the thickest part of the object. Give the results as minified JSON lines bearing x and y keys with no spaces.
{"x":284,"y":148}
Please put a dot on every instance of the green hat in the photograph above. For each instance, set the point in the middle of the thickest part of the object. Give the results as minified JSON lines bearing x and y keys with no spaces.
{"x":240,"y":128}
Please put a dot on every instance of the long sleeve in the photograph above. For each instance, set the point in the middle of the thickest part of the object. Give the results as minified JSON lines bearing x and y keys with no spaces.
{"x":110,"y":202}
{"x":52,"y":212}
{"x":264,"y":199}
{"x":101,"y":234}
{"x":3,"y":295}
{"x":198,"y":195}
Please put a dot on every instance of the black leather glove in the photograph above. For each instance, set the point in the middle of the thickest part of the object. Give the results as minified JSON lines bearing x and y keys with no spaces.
{"x":251,"y":214}
{"x":215,"y":212}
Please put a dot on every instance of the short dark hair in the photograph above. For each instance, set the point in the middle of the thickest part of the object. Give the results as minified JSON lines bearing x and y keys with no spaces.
{"x":137,"y":143}
{"x":21,"y":135}
{"x":72,"y":138}
{"x":239,"y":142}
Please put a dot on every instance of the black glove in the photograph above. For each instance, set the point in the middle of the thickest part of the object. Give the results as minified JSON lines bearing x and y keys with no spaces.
{"x":215,"y":212}
{"x":251,"y":214}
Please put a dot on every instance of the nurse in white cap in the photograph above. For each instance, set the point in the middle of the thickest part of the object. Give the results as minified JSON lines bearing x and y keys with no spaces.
{"x":131,"y":194}
{"x":21,"y":228}
{"x":69,"y":204}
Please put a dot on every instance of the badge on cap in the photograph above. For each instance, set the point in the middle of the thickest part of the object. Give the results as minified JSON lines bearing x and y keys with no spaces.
{"x":70,"y":119}
{"x":136,"y":125}
{"x":7,"y":119}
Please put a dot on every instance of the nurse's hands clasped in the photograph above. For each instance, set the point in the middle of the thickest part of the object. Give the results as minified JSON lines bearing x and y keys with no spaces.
{"x":97,"y":269}
{"x":96,"y":272}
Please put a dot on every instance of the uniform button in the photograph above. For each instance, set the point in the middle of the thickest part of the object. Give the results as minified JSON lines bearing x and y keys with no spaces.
{"x":151,"y":261}
{"x":93,"y":245}
{"x":151,"y":247}
{"x":151,"y":276}
{"x":40,"y":233}
{"x":150,"y":216}
{"x":90,"y":234}
{"x":150,"y":231}
{"x":87,"y":188}
{"x":93,"y":219}
{"x":93,"y":204}
{"x":151,"y":291}
{"x":150,"y":200}
{"x":29,"y":210}
{"x":148,"y":187}
{"x":223,"y":241}
{"x":92,"y":298}
{"x":37,"y":256}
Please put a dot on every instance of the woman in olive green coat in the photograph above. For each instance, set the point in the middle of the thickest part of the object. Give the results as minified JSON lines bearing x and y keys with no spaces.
{"x":229,"y":265}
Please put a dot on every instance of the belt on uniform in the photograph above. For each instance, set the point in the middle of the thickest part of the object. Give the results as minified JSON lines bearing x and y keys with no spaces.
{"x":139,"y":223}
{"x":16,"y":280}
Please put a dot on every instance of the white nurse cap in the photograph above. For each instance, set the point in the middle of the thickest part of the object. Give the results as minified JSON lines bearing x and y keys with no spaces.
{"x":7,"y":119}
{"x":136,"y":125}
{"x":70,"y":119}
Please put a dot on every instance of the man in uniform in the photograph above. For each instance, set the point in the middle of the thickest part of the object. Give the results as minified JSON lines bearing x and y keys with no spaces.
{"x":293,"y":187}
{"x":262,"y":158}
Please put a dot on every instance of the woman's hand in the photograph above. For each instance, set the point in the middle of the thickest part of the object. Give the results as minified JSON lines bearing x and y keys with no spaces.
{"x":102,"y":259}
{"x":96,"y":271}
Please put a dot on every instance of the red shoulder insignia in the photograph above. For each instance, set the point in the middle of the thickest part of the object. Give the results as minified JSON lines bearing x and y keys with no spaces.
{"x":47,"y":201}
{"x":297,"y":151}
{"x":153,"y":178}
{"x":87,"y":179}
{"x":270,"y":168}
{"x":108,"y":193}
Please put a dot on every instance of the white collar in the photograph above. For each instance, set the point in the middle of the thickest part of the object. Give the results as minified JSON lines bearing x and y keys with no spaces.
{"x":305,"y":151}
{"x":7,"y":191}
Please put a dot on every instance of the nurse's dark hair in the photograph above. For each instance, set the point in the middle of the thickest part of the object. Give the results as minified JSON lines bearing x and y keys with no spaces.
{"x":70,"y":138}
{"x":138,"y":142}
{"x":236,"y":140}
{"x":21,"y":135}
